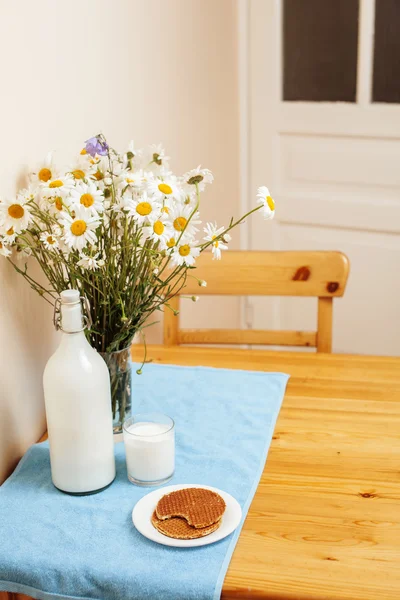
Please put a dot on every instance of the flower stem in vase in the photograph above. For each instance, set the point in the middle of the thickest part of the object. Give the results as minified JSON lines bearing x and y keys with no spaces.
{"x":120,"y":370}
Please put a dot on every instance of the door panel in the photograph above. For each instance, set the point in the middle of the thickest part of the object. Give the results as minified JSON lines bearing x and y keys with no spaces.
{"x":336,"y":161}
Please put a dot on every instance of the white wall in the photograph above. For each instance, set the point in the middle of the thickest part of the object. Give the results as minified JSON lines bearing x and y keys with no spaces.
{"x":154,"y":70}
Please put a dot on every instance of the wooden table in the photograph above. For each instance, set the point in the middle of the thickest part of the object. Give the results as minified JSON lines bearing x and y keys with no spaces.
{"x":325,"y":521}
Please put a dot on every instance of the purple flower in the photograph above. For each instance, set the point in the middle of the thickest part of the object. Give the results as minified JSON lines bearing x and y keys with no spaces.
{"x":96,"y":145}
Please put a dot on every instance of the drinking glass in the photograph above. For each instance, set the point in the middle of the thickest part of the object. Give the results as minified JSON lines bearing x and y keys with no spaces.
{"x":150,"y":448}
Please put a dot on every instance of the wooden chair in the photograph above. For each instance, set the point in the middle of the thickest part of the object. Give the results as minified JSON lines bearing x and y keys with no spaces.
{"x":317,"y":274}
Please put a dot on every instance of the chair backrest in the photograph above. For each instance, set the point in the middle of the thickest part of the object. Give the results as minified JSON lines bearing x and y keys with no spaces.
{"x":241,"y":273}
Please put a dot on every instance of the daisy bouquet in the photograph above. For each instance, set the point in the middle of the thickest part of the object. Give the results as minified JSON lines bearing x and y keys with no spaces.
{"x":119,"y":227}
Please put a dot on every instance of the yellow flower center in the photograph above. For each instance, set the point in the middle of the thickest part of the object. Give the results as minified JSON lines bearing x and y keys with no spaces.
{"x":51,"y":240}
{"x":270,"y":203}
{"x":78,"y":227}
{"x":180,"y":223}
{"x":158,"y":227}
{"x":83,"y":151}
{"x":56,"y":183}
{"x":44,"y":174}
{"x":165,"y":188}
{"x":58,"y":203}
{"x":165,"y":209}
{"x":10,"y":231}
{"x":215,"y":244}
{"x":171,"y":242}
{"x":184,"y":250}
{"x":78,"y":174}
{"x":98,"y":175}
{"x":87,"y":200}
{"x":143,"y":208}
{"x":129,"y":180}
{"x":16,"y":211}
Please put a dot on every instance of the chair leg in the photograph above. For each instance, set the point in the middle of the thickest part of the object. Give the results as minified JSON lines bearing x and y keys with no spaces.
{"x":324,"y":333}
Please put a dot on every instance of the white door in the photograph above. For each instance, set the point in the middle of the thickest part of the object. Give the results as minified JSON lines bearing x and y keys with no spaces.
{"x":332,"y":166}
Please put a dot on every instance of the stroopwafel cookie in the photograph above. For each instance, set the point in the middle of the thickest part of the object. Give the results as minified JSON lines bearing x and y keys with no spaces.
{"x":198,"y":506}
{"x":179,"y":528}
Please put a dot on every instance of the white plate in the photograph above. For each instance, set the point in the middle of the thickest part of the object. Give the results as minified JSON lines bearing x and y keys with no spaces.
{"x":141,"y":517}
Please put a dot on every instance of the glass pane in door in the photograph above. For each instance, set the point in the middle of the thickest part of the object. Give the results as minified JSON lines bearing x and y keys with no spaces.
{"x":386,"y":78}
{"x":320,"y":50}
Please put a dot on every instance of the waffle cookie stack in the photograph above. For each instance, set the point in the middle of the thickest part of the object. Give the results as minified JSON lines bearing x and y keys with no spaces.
{"x":189,"y":513}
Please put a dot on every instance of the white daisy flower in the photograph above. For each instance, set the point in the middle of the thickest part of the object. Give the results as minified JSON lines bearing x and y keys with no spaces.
{"x":171,"y":242}
{"x":165,"y":188}
{"x":179,"y":216}
{"x":166,"y":208}
{"x":159,"y":230}
{"x":264,"y":198}
{"x":131,"y":154}
{"x":93,"y":160}
{"x":190,"y":198}
{"x":91,"y":263}
{"x":49,"y":240}
{"x":79,"y":230}
{"x":4,"y":251}
{"x":81,"y":169}
{"x":61,"y":186}
{"x":142,"y":208}
{"x":212,"y":233}
{"x":158,"y":157}
{"x":30,"y":193}
{"x":130,"y":179}
{"x":88,"y":196}
{"x":122,"y":204}
{"x":55,"y":204}
{"x":56,"y":230}
{"x":99,"y":170}
{"x":198,"y":176}
{"x":44,"y":172}
{"x":9,"y":236}
{"x":16,"y":213}
{"x":117,"y":167}
{"x":185,"y":252}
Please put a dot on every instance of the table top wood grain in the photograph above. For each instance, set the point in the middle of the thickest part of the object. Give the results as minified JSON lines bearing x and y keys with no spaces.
{"x":325,"y":521}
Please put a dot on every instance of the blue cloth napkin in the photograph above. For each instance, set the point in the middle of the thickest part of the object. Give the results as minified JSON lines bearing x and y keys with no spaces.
{"x":55,"y":546}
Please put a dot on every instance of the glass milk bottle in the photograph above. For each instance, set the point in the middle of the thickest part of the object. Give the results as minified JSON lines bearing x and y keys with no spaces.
{"x":78,"y":408}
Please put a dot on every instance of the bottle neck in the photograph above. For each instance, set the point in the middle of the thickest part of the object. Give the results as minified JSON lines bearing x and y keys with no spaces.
{"x":71,"y":318}
{"x":74,"y":341}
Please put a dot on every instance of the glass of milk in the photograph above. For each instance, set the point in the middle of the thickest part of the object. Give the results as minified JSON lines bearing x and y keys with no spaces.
{"x":150,"y":448}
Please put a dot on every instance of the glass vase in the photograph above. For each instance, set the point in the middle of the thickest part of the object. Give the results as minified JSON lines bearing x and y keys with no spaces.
{"x":120,"y":368}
